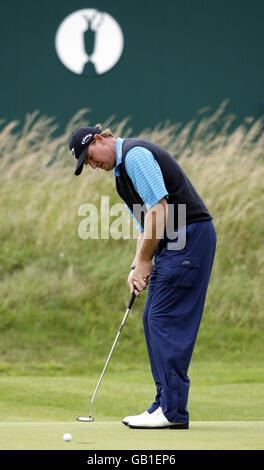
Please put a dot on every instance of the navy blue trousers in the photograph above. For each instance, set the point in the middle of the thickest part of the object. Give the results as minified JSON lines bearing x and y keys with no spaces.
{"x":172,"y":315}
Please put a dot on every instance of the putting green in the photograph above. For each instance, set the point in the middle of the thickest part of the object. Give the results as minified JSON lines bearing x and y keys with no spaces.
{"x":109,"y":435}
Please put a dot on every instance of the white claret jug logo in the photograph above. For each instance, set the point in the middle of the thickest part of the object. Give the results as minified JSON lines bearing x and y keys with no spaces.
{"x":89,"y":42}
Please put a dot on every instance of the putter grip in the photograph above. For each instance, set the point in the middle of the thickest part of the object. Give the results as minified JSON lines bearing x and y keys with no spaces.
{"x":133,"y":296}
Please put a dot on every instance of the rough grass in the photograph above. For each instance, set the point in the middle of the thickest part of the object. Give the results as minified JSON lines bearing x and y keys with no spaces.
{"x":62,"y":298}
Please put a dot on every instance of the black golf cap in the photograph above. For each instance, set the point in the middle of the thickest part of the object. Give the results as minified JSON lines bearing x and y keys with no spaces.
{"x":79,"y":142}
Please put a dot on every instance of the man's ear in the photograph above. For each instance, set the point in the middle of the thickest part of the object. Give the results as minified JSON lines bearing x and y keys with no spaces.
{"x":98,"y":137}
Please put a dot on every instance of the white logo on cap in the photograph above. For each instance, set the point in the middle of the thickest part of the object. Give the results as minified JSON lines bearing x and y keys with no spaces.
{"x":86,"y":138}
{"x":73,"y":151}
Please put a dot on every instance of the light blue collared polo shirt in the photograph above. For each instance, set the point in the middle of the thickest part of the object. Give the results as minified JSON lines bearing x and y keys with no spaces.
{"x":145,"y":174}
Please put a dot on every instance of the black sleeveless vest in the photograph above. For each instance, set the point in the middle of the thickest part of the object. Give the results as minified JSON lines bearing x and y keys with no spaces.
{"x":180,"y":190}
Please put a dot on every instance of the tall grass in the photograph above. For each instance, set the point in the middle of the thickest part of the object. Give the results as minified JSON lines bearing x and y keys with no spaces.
{"x":60,"y":291}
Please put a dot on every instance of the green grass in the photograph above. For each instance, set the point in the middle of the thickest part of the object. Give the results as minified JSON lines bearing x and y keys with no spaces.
{"x":216,"y":393}
{"x":62,"y":298}
{"x":225,"y":405}
{"x":99,"y":435}
{"x":47,"y":354}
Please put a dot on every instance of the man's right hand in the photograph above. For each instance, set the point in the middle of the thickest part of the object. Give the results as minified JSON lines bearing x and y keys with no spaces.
{"x":131,"y":283}
{"x":138,"y":284}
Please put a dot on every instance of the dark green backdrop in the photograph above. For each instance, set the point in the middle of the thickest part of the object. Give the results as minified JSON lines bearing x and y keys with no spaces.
{"x":179,"y":56}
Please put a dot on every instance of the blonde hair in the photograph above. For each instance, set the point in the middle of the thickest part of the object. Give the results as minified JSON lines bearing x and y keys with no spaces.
{"x":106,"y":133}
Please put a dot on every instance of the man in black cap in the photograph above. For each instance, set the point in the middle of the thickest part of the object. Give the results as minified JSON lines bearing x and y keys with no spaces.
{"x":148,"y":176}
{"x":101,"y":155}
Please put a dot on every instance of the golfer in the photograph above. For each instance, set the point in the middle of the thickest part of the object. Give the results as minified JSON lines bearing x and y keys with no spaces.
{"x":174,"y":264}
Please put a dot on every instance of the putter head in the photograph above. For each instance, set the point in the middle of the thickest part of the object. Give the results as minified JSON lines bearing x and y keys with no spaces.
{"x":85,"y":419}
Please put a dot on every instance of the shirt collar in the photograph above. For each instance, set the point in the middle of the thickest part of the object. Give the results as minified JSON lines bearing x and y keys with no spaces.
{"x":119,"y":143}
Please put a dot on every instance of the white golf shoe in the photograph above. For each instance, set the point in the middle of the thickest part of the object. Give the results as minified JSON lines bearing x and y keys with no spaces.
{"x":134,"y":418}
{"x":156,"y":420}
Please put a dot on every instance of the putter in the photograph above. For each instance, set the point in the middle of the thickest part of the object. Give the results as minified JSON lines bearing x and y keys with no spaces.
{"x":90,"y":417}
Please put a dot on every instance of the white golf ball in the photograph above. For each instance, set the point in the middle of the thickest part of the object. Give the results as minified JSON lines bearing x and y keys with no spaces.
{"x":67,"y":437}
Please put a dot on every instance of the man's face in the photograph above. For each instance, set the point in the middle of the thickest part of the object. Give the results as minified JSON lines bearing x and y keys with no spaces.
{"x":100,"y":153}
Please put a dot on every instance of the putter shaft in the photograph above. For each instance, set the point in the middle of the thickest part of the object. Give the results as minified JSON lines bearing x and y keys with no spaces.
{"x":90,"y":417}
{"x":112,"y":349}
